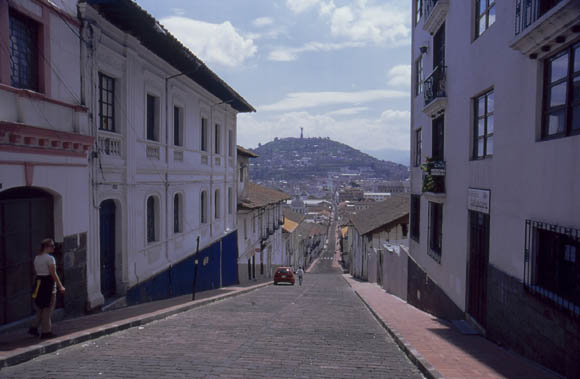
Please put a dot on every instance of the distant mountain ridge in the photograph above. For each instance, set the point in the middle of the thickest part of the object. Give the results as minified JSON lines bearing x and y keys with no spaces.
{"x":309,"y":158}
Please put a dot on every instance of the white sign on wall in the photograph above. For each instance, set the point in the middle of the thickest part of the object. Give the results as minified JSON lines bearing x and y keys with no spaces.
{"x":478,"y":200}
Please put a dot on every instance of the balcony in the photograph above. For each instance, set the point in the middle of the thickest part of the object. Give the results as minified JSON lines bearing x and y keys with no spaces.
{"x":433,"y":176}
{"x":109,"y":144}
{"x":435,"y":13}
{"x":435,"y":92}
{"x":543,"y":25}
{"x":152,"y":151}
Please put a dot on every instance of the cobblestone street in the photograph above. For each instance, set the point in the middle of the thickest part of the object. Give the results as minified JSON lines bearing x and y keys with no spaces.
{"x":318,"y":330}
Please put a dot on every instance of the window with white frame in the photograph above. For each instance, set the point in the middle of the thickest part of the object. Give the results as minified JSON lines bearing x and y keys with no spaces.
{"x":231,"y":143}
{"x":152,"y":219}
{"x":218,"y":139}
{"x":106,"y":103}
{"x":419,"y":75}
{"x":152,"y":117}
{"x":230,"y":201}
{"x":177,"y":126}
{"x":204,"y":134}
{"x":484,"y":126}
{"x":216,"y":204}
{"x":177,"y":213}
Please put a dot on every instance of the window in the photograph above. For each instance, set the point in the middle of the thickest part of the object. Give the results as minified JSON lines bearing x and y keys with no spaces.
{"x":437,"y":147}
{"x":106,"y":103}
{"x":254,"y":221}
{"x":230,"y":201}
{"x":483,"y":126}
{"x":418,"y":143}
{"x":419,"y":75}
{"x":151,"y":219}
{"x":415,"y":216}
{"x":231,"y":143}
{"x":218,"y":139}
{"x":23,"y":52}
{"x":245,"y":228}
{"x":152,"y":118}
{"x":177,"y":126}
{"x":177,"y":214}
{"x":552,"y":265}
{"x":204,"y":134}
{"x":484,"y":15}
{"x":562,"y":94}
{"x":418,"y":10}
{"x":203,"y":207}
{"x":435,"y":230}
{"x":242,"y":168}
{"x":216,"y":200}
{"x":405,"y":229}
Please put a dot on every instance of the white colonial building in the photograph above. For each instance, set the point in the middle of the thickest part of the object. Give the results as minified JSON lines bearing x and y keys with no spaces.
{"x":495,"y":215}
{"x":259,"y":214}
{"x":163,"y":174}
{"x":45,"y":142}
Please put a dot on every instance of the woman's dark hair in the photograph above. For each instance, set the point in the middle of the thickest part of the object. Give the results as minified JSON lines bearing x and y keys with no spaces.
{"x":47,"y":242}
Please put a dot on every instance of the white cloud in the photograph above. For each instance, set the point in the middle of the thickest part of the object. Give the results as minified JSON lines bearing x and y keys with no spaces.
{"x":378,"y":24}
{"x":299,"y":6}
{"x":379,"y":134}
{"x":262,"y":21}
{"x":304,"y":100}
{"x":400,"y":76}
{"x":285,"y":54}
{"x":347,"y":111}
{"x":213,"y":43}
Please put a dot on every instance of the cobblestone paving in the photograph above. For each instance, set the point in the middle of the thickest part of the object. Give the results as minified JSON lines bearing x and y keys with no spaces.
{"x":318,"y":330}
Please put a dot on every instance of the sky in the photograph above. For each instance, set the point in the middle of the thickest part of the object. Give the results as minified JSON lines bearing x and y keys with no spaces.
{"x":337,"y":68}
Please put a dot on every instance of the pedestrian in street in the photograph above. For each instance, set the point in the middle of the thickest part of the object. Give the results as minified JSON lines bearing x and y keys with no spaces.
{"x":44,"y":294}
{"x":300,"y":274}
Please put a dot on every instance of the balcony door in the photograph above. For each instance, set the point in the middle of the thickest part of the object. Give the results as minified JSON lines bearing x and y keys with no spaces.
{"x":438,"y":139}
{"x":439,"y":48}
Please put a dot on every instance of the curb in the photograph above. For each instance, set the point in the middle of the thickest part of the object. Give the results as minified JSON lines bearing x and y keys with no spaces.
{"x":414,"y":356}
{"x":55,"y":344}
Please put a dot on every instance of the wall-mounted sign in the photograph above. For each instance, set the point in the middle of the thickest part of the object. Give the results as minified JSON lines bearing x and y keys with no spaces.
{"x":437,"y":168}
{"x":478,"y":200}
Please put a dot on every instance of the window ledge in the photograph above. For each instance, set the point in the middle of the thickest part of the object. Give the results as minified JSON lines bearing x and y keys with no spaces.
{"x":436,"y":256}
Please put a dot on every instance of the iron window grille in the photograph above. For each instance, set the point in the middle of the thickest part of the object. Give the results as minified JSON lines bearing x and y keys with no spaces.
{"x":484,"y":16}
{"x":562,"y":94}
{"x":483,"y":126}
{"x":23,"y":52}
{"x":435,"y":231}
{"x":415,"y":217}
{"x":552,"y":264}
{"x":106,"y":103}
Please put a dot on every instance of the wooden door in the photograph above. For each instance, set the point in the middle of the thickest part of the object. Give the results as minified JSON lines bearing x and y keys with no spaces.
{"x":477,"y":266}
{"x":107,"y":244}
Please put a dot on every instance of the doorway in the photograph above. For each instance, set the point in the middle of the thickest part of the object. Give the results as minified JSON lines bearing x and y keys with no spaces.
{"x":107,"y":213}
{"x":26,"y":218}
{"x":477,"y":266}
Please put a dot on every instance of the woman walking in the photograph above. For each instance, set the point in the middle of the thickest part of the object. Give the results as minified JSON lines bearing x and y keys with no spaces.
{"x":45,"y":289}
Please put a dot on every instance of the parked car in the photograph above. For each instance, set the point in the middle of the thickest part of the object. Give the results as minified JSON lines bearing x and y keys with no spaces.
{"x":283,"y":275}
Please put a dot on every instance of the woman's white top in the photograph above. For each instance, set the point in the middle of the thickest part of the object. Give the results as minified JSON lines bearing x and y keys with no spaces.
{"x":42,"y":264}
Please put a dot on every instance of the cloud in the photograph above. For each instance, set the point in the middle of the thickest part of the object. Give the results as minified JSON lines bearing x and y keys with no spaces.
{"x":262,"y":21}
{"x":399,"y":76}
{"x":213,"y":43}
{"x":380,"y":133}
{"x":377,"y":22}
{"x":304,"y":100}
{"x":347,"y":111}
{"x":299,"y":6}
{"x":285,"y":54}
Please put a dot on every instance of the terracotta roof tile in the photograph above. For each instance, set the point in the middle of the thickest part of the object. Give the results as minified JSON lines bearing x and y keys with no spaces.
{"x":259,"y":196}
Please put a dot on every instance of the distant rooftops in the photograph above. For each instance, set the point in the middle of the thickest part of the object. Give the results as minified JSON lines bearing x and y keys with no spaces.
{"x":380,"y":214}
{"x":243,"y":151}
{"x":259,"y":196}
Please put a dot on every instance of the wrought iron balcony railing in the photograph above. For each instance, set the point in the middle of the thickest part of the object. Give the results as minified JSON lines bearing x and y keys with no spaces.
{"x":435,"y":84}
{"x":528,"y":11}
{"x":433,"y":176}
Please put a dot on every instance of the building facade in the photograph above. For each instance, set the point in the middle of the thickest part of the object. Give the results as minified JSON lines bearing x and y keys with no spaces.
{"x":45,"y":145}
{"x":495,"y":121}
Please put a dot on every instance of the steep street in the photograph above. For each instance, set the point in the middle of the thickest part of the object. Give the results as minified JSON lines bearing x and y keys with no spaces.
{"x":318,"y":330}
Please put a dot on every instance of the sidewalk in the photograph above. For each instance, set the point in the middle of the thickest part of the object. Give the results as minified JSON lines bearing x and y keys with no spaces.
{"x":18,"y":346}
{"x":436,"y":347}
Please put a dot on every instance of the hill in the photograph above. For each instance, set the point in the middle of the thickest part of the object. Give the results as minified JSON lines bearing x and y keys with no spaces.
{"x":310,"y":158}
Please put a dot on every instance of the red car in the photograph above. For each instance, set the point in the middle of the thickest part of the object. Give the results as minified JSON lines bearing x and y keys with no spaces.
{"x":283,"y":275}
